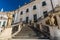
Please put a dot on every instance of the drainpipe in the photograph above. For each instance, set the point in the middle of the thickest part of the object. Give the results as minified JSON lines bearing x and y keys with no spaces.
{"x":52,"y":5}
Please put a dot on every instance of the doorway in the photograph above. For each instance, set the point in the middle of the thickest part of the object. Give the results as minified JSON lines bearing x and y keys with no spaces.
{"x":45,"y":14}
{"x":27,"y":19}
{"x":35,"y":18}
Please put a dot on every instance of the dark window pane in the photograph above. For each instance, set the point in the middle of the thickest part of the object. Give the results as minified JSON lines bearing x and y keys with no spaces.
{"x":45,"y":13}
{"x":27,"y":19}
{"x":13,"y":15}
{"x":43,"y":3}
{"x":4,"y":23}
{"x":27,"y":10}
{"x":34,"y":7}
{"x":21,"y":12}
{"x":35,"y":17}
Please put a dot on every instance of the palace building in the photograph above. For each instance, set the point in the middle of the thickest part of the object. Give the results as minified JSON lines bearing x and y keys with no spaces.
{"x":37,"y":9}
{"x":34,"y":10}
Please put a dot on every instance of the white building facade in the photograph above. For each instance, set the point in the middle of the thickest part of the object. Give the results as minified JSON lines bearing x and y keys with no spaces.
{"x":33,"y":11}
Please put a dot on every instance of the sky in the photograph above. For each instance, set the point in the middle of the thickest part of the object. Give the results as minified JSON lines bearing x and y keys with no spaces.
{"x":10,"y":5}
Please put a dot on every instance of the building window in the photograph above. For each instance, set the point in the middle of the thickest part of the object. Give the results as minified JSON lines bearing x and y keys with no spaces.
{"x":35,"y":17}
{"x":45,"y":13}
{"x":21,"y":13}
{"x":34,"y":7}
{"x":27,"y":19}
{"x":4,"y":23}
{"x":27,"y":10}
{"x":43,"y":3}
{"x":13,"y":15}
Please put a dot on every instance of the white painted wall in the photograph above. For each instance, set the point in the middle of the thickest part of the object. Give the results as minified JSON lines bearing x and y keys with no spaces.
{"x":39,"y":11}
{"x":55,"y":3}
{"x":49,"y":7}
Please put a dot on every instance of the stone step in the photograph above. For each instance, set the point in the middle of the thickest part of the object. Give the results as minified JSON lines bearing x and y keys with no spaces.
{"x":29,"y":33}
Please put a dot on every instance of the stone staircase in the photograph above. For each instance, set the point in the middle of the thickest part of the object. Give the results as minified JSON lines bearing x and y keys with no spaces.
{"x":29,"y":32}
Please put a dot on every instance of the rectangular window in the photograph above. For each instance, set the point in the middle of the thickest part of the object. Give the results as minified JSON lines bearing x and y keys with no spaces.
{"x":27,"y":19}
{"x":13,"y":15}
{"x":45,"y":13}
{"x":4,"y":23}
{"x":34,"y":7}
{"x":21,"y":13}
{"x":43,"y":3}
{"x":27,"y":10}
{"x":35,"y":17}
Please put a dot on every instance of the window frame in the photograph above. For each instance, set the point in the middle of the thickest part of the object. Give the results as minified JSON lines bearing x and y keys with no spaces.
{"x":44,"y":3}
{"x":34,"y":7}
{"x":4,"y":23}
{"x":21,"y":13}
{"x":27,"y":10}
